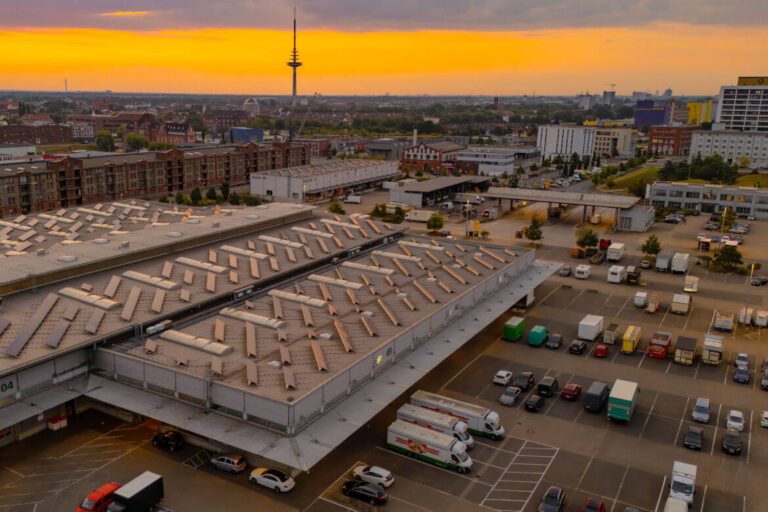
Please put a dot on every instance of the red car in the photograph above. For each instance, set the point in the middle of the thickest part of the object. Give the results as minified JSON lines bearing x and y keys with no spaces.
{"x":600,"y":351}
{"x":593,"y":505}
{"x":99,"y":500}
{"x":570,"y":391}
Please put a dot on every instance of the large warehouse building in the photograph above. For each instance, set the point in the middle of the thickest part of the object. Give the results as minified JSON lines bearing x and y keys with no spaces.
{"x":262,"y":329}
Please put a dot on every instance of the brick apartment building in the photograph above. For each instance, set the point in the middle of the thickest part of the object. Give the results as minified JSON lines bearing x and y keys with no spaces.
{"x":671,"y":140}
{"x":219,"y":121}
{"x":318,"y":146}
{"x":72,"y":181}
{"x":85,"y":126}
{"x":43,"y":134}
{"x":174,"y":133}
{"x":431,"y":156}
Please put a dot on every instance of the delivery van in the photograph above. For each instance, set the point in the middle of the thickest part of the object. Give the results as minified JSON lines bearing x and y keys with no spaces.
{"x":630,"y":340}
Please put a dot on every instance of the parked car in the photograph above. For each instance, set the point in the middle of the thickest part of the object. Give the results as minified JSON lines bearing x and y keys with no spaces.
{"x":553,"y":500}
{"x":732,"y":442}
{"x":524,"y":380}
{"x":373,"y":475}
{"x":364,"y":491}
{"x":547,"y":386}
{"x":534,"y":403}
{"x":592,"y":505}
{"x":577,"y":347}
{"x":741,"y":359}
{"x":701,"y":411}
{"x":570,"y":391}
{"x":764,"y":419}
{"x":673,"y":219}
{"x":565,"y":271}
{"x":272,"y":479}
{"x":600,"y":351}
{"x":694,"y":438}
{"x":170,"y":440}
{"x":234,"y":463}
{"x":741,"y":375}
{"x":646,"y":264}
{"x":502,"y":377}
{"x":735,"y":420}
{"x":99,"y":500}
{"x":509,"y":396}
{"x":759,"y":281}
{"x":554,"y":341}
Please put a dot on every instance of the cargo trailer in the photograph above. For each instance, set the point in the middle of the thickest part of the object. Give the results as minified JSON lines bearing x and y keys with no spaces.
{"x":427,"y":445}
{"x":622,"y":400}
{"x":513,"y":328}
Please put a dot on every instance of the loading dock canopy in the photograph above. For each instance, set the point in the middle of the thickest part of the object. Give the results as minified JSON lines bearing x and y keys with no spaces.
{"x":556,"y":196}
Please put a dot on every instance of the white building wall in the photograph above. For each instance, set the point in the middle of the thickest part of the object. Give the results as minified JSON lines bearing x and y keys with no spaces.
{"x":560,"y":140}
{"x":731,"y":146}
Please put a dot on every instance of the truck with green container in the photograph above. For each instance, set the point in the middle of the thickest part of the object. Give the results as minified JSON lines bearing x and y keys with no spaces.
{"x":537,"y":336}
{"x":622,"y":400}
{"x":513,"y":329}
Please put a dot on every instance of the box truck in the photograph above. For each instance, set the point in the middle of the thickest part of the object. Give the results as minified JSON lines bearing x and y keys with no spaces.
{"x":139,"y":495}
{"x":481,"y":421}
{"x":537,"y":336}
{"x":590,"y":327}
{"x":513,"y":329}
{"x":611,"y":334}
{"x":433,"y":420}
{"x":615,"y":251}
{"x":428,"y":445}
{"x":691,"y":284}
{"x":616,"y":274}
{"x":660,"y":345}
{"x":681,"y":304}
{"x":685,"y":350}
{"x":745,"y":316}
{"x":675,"y":505}
{"x":761,"y":319}
{"x":723,"y":322}
{"x":630,"y":340}
{"x":653,"y":304}
{"x":663,"y":261}
{"x":712,"y":350}
{"x":353,"y":199}
{"x":418,"y":215}
{"x":683,"y":481}
{"x":582,"y":272}
{"x":679,"y":263}
{"x":622,"y":400}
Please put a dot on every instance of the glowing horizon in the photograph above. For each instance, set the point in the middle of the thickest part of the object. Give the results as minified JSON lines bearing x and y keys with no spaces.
{"x":125,"y":13}
{"x":690,"y":59}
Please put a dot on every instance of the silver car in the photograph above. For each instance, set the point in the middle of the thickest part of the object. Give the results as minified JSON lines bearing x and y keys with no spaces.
{"x":231,"y":462}
{"x":509,"y":396}
{"x":700,"y":411}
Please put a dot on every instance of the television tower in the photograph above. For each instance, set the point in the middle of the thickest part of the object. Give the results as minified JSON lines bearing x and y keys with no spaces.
{"x":294,"y":62}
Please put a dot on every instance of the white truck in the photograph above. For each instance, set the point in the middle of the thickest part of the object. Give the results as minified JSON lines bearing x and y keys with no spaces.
{"x":640,"y":299}
{"x":761,"y":319}
{"x":691,"y":284}
{"x":663,"y":261}
{"x":712,"y":350}
{"x":428,"y":445}
{"x":675,"y":505}
{"x":680,"y":262}
{"x":723,"y":322}
{"x":582,"y":272}
{"x":745,"y":316}
{"x":436,"y":421}
{"x":616,"y":274}
{"x":683,"y":481}
{"x":481,"y":421}
{"x":615,"y":251}
{"x":590,"y":327}
{"x":681,"y":304}
{"x":418,"y":215}
{"x":353,"y":199}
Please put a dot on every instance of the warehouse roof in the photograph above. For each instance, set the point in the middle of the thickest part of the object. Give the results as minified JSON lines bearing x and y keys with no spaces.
{"x":331,"y":167}
{"x":442,"y":182}
{"x":553,"y":196}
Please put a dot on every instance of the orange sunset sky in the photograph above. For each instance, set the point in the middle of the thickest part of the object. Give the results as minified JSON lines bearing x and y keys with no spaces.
{"x":119,"y":50}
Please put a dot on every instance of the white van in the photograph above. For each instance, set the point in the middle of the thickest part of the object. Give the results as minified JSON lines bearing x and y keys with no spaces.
{"x":616,"y":274}
{"x":582,"y":272}
{"x":675,"y":505}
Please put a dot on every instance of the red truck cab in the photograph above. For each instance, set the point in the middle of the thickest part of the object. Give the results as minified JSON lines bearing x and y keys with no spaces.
{"x":660,"y":345}
{"x":99,"y":500}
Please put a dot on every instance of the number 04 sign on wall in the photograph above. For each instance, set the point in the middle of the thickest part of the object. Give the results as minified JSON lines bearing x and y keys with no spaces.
{"x":8,"y":386}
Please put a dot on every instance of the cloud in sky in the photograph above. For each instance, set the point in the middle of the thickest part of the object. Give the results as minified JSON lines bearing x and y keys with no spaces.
{"x":367,"y":15}
{"x":125,"y":13}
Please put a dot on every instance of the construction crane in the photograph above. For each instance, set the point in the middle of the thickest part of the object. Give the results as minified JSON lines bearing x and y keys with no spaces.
{"x":300,"y":130}
{"x":613,"y":86}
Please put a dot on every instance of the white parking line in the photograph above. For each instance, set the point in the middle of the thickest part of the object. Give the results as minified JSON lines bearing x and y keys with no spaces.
{"x":685,"y":413}
{"x":431,"y":465}
{"x":12,"y":471}
{"x":574,"y":299}
{"x":717,"y":424}
{"x":391,"y":497}
{"x":642,"y":358}
{"x":586,"y":469}
{"x":696,"y":372}
{"x":749,"y":436}
{"x":495,"y":447}
{"x":618,"y":315}
{"x":621,"y":484}
{"x":650,"y":413}
{"x":465,"y":367}
{"x":661,"y":492}
{"x":336,"y":503}
{"x":539,"y":482}
{"x":704,"y":497}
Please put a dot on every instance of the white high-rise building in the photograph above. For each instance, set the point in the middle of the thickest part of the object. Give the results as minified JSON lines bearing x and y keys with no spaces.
{"x":563,"y":140}
{"x":744,"y":107}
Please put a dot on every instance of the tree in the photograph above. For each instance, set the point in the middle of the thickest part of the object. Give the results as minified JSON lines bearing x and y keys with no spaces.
{"x":652,"y":245}
{"x":196,"y":196}
{"x":211,"y":194}
{"x":727,"y":259}
{"x":435,"y":222}
{"x":104,"y":141}
{"x":178,"y":198}
{"x":335,"y":207}
{"x":586,"y":237}
{"x":134,"y":141}
{"x":234,"y":198}
{"x":533,"y":233}
{"x":225,"y":190}
{"x":729,"y":218}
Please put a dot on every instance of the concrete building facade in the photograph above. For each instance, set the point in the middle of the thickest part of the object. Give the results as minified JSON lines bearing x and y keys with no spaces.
{"x":744,"y":107}
{"x":615,"y":141}
{"x":563,"y":141}
{"x":431,"y":156}
{"x":495,"y":161}
{"x":732,"y":146}
{"x":744,"y":201}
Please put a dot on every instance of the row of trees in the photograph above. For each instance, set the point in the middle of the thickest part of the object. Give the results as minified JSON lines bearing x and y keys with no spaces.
{"x":712,"y":169}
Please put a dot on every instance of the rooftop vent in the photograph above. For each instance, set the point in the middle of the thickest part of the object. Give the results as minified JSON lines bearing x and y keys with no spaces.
{"x":124,"y":245}
{"x":252,"y":217}
{"x":67,"y":258}
{"x":41,"y":252}
{"x":216,"y":224}
{"x":100,"y":241}
{"x":174,"y":234}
